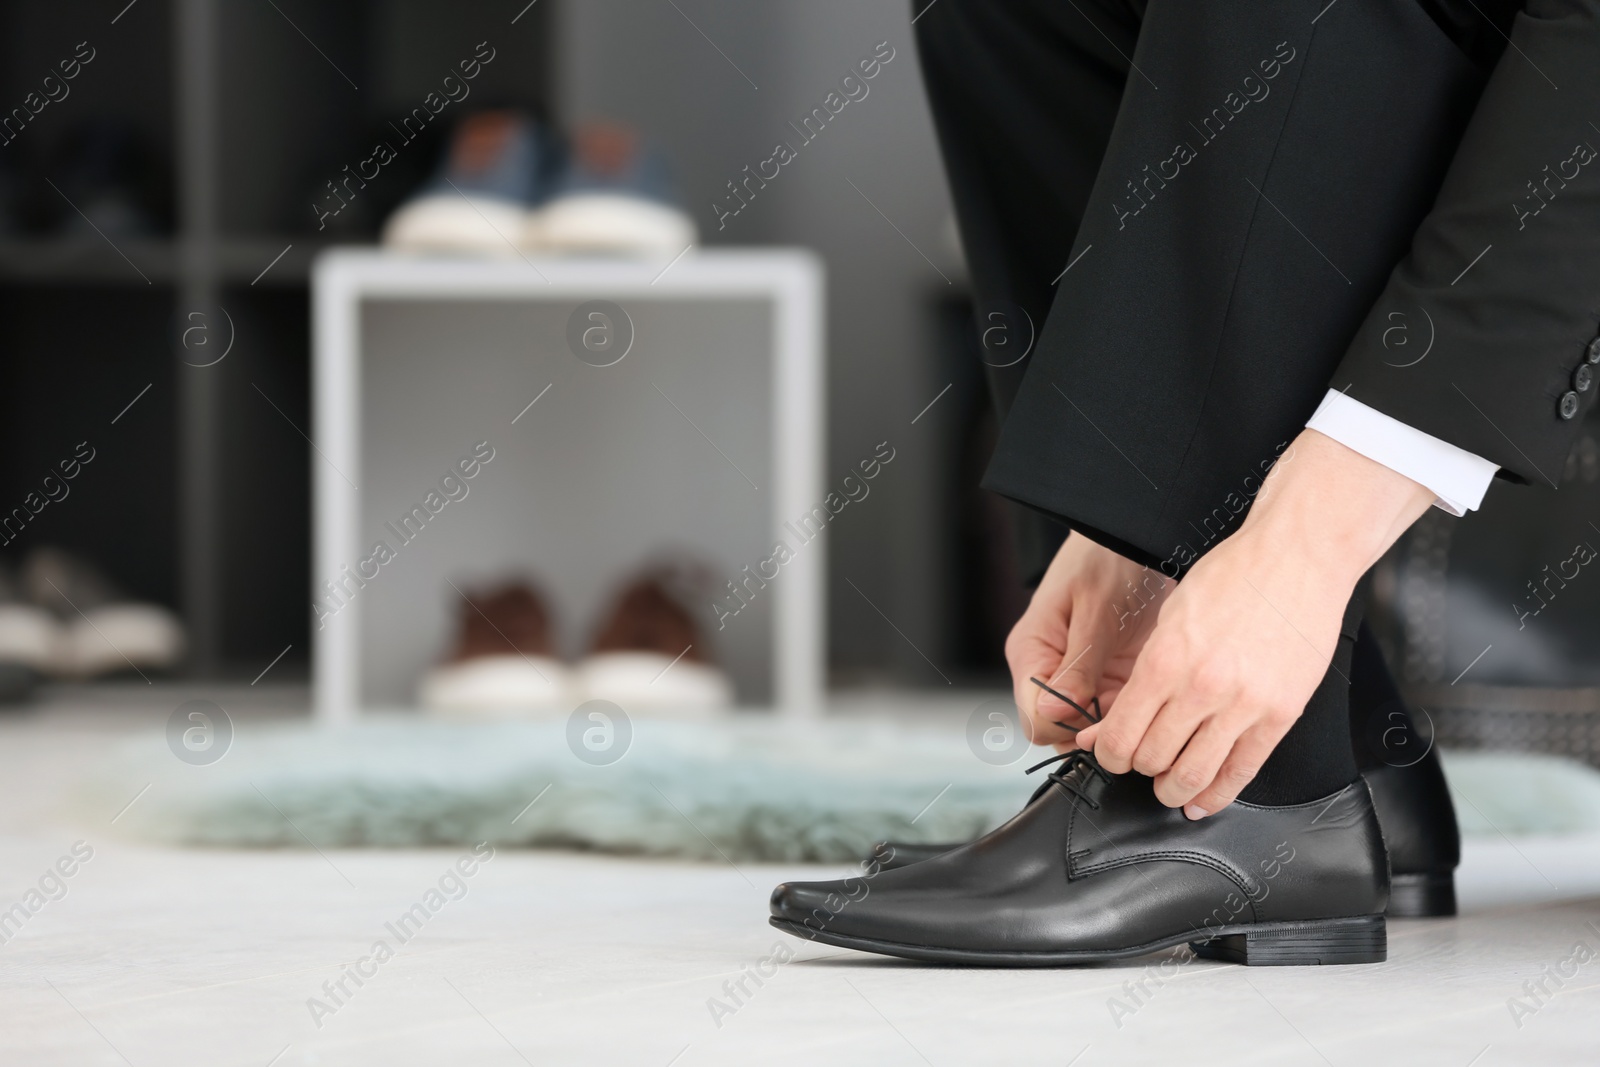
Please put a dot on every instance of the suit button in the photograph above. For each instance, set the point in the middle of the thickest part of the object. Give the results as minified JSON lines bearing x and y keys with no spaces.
{"x":1569,"y":405}
{"x":1582,"y":378}
{"x":1592,"y":354}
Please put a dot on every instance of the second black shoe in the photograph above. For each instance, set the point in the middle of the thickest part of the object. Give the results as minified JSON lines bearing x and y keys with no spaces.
{"x":1408,"y":792}
{"x":1096,"y":868}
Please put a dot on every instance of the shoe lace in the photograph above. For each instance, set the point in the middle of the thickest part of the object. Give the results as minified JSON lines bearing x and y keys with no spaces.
{"x":1063,"y":775}
{"x":1077,"y":758}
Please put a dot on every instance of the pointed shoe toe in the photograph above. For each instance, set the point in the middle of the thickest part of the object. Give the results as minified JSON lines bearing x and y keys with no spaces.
{"x":795,"y":901}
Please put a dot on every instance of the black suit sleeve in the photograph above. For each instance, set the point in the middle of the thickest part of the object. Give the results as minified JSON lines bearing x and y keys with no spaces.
{"x":1485,"y":335}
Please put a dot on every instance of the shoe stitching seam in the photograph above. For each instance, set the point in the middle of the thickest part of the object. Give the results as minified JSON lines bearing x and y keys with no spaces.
{"x":1201,"y":859}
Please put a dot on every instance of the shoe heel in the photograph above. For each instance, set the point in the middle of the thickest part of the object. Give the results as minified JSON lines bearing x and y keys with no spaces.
{"x":1360,"y":939}
{"x":1422,"y":896}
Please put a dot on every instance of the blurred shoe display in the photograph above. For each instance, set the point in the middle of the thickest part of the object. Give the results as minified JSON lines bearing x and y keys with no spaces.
{"x":63,"y":583}
{"x":107,"y":176}
{"x":102,"y":630}
{"x":613,"y":196}
{"x":503,"y":663}
{"x":478,"y":201}
{"x":30,"y":642}
{"x":648,"y":655}
{"x":507,"y":187}
{"x":123,"y":637}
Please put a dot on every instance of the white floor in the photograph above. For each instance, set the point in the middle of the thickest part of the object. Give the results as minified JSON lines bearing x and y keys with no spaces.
{"x":157,"y":956}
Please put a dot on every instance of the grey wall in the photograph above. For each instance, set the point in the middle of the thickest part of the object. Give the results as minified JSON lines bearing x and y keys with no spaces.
{"x":439,"y":376}
{"x":643,"y":61}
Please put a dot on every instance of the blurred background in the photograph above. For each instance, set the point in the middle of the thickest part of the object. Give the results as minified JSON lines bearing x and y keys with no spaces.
{"x":447,"y":371}
{"x":171,"y":171}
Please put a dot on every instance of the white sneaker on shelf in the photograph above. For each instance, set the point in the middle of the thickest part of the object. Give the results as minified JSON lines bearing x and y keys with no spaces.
{"x":612,"y":197}
{"x":478,"y":202}
{"x":611,"y":224}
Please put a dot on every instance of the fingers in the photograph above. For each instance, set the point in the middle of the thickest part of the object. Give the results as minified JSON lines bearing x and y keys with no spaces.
{"x":1116,"y":738}
{"x":1169,"y":734}
{"x":1076,"y":674}
{"x":1074,"y":671}
{"x":1197,"y":765}
{"x":1207,"y":692}
{"x":1238,"y":770}
{"x":1032,"y":657}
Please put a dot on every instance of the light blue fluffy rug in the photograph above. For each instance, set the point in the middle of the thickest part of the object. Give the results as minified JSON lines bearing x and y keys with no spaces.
{"x":748,"y":789}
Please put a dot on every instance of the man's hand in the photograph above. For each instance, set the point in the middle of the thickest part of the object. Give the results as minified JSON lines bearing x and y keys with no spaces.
{"x":1249,"y":633}
{"x":1081,"y":634}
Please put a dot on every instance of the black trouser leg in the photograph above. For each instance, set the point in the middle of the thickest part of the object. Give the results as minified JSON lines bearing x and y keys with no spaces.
{"x":1027,"y":97}
{"x":1257,"y":171}
{"x":1024,"y":96}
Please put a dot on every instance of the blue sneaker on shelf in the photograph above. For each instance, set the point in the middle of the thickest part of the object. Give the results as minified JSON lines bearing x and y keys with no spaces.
{"x":613,"y":196}
{"x":479,"y":200}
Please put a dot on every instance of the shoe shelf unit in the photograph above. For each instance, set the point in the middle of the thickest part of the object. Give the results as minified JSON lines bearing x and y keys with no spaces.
{"x":695,"y":431}
{"x":213,"y":129}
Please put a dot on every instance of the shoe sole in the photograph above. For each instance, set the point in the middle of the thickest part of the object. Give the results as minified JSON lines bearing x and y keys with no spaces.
{"x":1422,"y":896}
{"x":1310,"y":942}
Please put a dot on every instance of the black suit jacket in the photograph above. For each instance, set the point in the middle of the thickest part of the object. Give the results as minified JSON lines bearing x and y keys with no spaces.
{"x":1336,"y":230}
{"x":1485,"y":334}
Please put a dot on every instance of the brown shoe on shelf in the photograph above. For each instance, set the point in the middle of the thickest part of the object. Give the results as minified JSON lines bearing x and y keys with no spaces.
{"x":503,"y":664}
{"x":648,"y":655}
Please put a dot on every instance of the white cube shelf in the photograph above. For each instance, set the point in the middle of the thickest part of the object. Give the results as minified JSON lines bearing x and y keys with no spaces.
{"x":702,"y":439}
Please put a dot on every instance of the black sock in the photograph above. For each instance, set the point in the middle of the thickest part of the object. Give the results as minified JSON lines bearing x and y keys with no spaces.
{"x":1314,"y":758}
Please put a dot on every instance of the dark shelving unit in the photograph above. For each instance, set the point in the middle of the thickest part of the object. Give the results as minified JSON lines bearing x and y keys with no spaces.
{"x":241,"y":111}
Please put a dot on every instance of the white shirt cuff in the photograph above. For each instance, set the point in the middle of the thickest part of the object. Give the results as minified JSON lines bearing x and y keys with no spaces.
{"x":1457,"y":478}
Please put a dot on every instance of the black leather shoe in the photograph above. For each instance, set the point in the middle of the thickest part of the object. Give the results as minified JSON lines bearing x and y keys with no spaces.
{"x":1419,"y":827}
{"x":1096,"y":868}
{"x":894,"y":854}
{"x":1410,"y":795}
